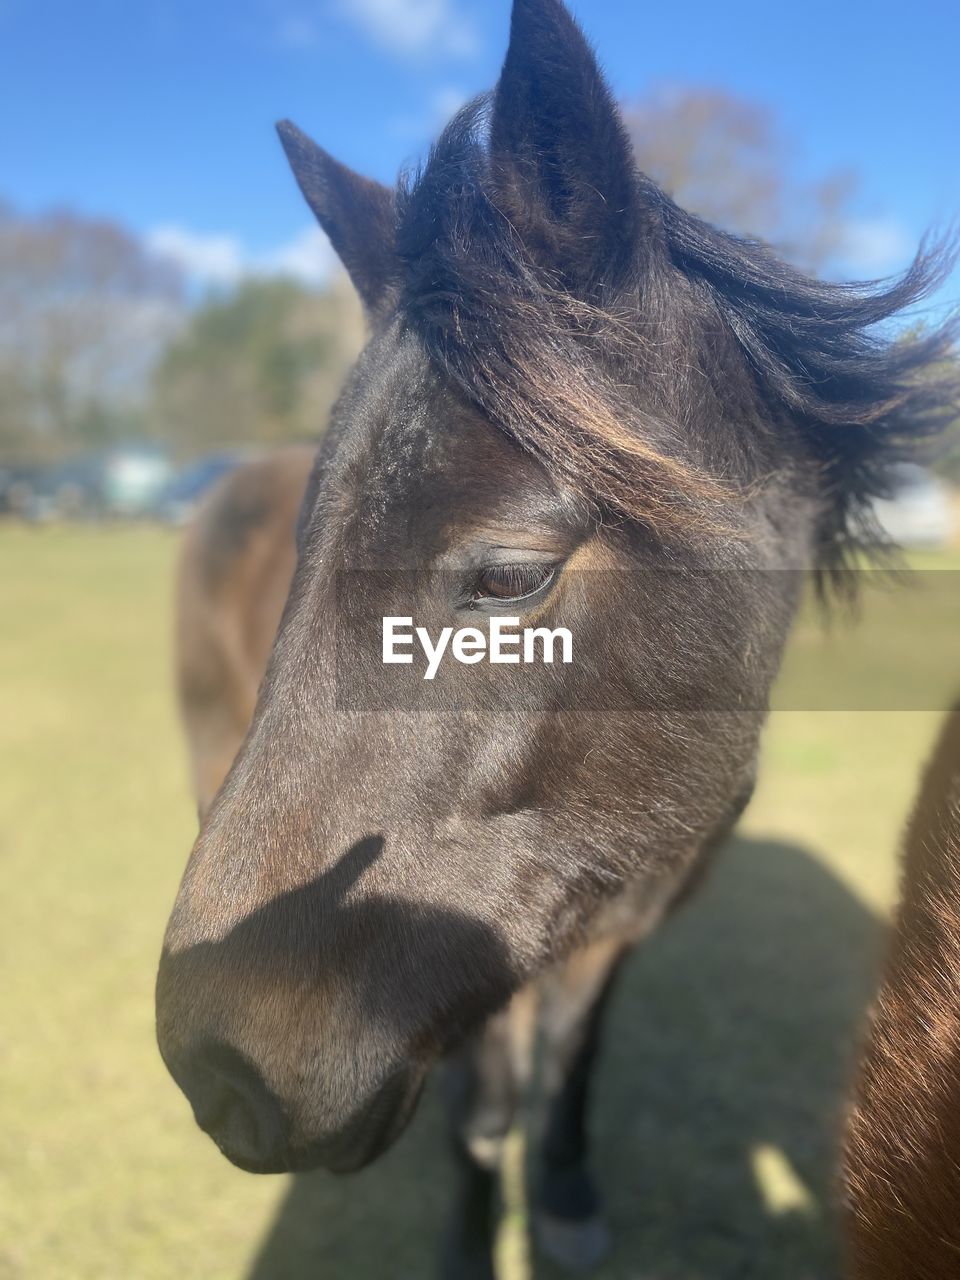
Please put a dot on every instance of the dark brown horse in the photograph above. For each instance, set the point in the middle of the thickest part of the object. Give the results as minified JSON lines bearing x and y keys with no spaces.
{"x":902,"y":1165}
{"x":580,"y":407}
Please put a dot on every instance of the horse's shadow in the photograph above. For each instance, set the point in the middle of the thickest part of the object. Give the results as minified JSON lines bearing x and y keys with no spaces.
{"x":716,"y":1107}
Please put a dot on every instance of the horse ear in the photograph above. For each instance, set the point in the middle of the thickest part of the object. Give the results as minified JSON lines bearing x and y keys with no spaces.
{"x":562,"y":160}
{"x":356,"y":213}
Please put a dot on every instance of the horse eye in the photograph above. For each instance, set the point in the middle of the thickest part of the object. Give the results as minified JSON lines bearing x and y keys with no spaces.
{"x":510,"y":582}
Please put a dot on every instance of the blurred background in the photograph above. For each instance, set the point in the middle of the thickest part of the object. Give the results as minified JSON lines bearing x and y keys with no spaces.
{"x":168,"y":310}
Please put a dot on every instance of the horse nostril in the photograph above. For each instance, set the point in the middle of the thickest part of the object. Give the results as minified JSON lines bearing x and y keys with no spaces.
{"x":233,"y":1105}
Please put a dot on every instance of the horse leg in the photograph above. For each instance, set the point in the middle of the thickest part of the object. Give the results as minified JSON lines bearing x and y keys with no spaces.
{"x":570,"y":1227}
{"x":483,"y":1083}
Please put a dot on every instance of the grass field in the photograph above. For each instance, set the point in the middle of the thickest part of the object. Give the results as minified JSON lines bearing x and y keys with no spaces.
{"x":729,"y":1042}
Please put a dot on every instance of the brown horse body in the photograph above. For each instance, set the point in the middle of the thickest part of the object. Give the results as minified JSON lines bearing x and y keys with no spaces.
{"x":235,"y":570}
{"x":902,"y":1162}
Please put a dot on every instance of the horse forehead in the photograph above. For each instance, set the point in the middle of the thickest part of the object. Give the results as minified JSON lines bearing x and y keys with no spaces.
{"x":400,"y":484}
{"x":418,"y":460}
{"x":398,"y":419}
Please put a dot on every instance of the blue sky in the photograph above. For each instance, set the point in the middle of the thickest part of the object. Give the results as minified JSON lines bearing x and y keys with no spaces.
{"x":159,"y":112}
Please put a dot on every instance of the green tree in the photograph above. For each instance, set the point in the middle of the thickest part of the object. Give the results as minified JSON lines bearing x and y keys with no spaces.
{"x":261,"y":365}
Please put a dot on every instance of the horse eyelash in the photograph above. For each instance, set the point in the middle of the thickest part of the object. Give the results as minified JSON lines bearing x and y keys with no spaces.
{"x":517,"y":571}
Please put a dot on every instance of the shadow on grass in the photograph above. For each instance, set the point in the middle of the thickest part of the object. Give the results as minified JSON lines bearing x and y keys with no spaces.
{"x":731,"y":1033}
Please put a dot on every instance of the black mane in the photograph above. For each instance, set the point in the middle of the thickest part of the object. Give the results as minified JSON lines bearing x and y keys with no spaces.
{"x":525,"y":349}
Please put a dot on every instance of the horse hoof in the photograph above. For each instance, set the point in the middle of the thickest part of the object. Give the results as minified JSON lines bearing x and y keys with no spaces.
{"x":578,"y":1244}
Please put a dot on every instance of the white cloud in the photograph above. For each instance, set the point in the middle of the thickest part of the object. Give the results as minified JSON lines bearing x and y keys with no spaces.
{"x":223,"y":259}
{"x":212,"y":259}
{"x":308,"y":257}
{"x":875,"y":246}
{"x":413,"y":27}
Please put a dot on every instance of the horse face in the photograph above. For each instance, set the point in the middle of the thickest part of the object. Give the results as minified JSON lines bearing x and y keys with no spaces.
{"x":335,"y":929}
{"x":391,"y":857}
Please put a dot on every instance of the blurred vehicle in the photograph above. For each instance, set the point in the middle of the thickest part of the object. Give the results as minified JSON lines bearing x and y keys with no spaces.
{"x":65,"y":490}
{"x":118,"y":482}
{"x":133,"y":480}
{"x":919,"y":511}
{"x":179,"y":498}
{"x":17,"y":484}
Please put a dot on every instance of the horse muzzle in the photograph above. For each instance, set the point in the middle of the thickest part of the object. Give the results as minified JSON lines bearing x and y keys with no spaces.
{"x":257,"y":1131}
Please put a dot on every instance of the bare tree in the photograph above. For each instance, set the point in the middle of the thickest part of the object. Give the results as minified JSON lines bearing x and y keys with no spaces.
{"x":84,"y":311}
{"x":726,"y":159}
